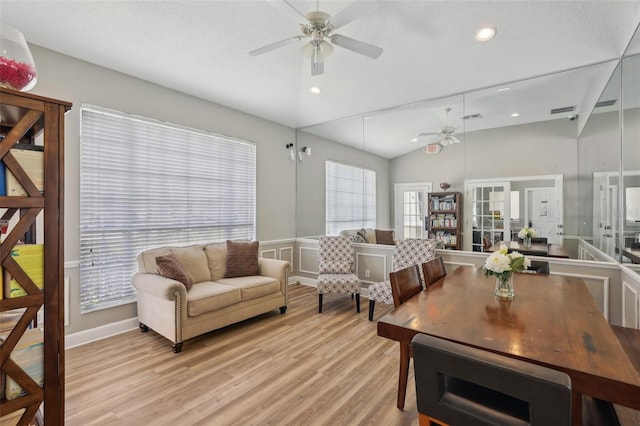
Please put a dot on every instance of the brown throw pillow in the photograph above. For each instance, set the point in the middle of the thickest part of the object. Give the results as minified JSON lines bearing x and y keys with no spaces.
{"x":384,"y":237}
{"x":169,"y":266}
{"x":242,"y":259}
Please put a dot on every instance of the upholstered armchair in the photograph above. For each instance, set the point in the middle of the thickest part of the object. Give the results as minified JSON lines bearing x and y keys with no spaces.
{"x":409,"y":252}
{"x":336,"y":269}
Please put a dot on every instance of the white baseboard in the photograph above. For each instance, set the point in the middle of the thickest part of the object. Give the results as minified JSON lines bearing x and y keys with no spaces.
{"x":98,"y":333}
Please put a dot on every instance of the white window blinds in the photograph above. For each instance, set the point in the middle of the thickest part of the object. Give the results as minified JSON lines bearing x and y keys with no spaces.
{"x":350,"y":197}
{"x":145,"y":184}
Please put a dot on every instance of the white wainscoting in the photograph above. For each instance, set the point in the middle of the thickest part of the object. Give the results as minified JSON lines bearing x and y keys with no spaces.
{"x":379,"y":259}
{"x":268,"y":254}
{"x":630,"y":297}
{"x":286,"y":253}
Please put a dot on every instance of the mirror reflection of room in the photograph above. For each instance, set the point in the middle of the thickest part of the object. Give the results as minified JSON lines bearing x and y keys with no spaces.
{"x":554,"y":144}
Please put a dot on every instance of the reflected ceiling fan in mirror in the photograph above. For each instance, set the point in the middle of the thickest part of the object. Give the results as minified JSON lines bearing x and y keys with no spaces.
{"x":318,"y":27}
{"x":446,"y":134}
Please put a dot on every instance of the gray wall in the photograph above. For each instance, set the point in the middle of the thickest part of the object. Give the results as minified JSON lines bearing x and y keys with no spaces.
{"x":544,"y":148}
{"x":311,"y":182}
{"x":66,"y":78}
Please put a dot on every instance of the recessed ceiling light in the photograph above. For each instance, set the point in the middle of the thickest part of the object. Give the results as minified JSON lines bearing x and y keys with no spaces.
{"x":515,"y":114}
{"x":414,"y":140}
{"x":485,"y":34}
{"x":503,"y":89}
{"x":315,"y":90}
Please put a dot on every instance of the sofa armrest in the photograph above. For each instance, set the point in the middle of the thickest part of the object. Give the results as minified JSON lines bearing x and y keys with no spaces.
{"x":274,"y":268}
{"x":159,"y":286}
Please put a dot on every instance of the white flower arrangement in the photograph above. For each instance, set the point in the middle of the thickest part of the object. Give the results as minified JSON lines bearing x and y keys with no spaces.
{"x":502,"y":263}
{"x":527,"y":232}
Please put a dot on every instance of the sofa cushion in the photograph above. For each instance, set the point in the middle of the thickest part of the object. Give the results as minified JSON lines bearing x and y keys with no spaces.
{"x":242,"y":259}
{"x":385,"y":237}
{"x":169,"y":266}
{"x":253,"y":287}
{"x":217,"y":258}
{"x":209,"y":296}
{"x":194,"y":262}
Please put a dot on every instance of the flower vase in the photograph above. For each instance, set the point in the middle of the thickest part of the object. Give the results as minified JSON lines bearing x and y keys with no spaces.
{"x":504,"y":286}
{"x":17,"y":69}
{"x":527,"y":242}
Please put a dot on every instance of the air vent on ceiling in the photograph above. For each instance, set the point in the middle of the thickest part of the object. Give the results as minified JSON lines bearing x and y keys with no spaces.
{"x":471,"y":116}
{"x":606,"y":103}
{"x":563,"y":109}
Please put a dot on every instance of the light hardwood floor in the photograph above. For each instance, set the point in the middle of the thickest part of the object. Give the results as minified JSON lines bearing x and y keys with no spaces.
{"x":301,"y":368}
{"x":293,"y":369}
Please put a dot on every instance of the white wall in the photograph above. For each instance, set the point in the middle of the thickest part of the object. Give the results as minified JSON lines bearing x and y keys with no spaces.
{"x":69,"y":79}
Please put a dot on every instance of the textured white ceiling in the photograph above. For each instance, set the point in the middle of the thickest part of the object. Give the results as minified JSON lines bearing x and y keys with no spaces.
{"x":201,"y":48}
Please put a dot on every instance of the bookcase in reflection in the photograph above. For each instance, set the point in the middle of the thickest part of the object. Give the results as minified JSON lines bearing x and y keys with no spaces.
{"x":31,"y":258}
{"x":445,"y":218}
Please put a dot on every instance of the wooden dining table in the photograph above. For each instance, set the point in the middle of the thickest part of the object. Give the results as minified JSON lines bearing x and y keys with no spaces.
{"x":536,"y":249}
{"x":553,"y":321}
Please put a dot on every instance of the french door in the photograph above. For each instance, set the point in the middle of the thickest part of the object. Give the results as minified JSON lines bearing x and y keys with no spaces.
{"x":489,"y":205}
{"x":410,"y":209}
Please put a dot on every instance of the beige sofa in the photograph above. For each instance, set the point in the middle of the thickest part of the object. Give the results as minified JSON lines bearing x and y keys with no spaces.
{"x":213,"y":302}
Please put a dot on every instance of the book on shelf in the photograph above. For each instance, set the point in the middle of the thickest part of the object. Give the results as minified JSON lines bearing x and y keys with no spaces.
{"x":31,"y":158}
{"x":28,"y":354}
{"x":443,"y":221}
{"x":30,"y":257}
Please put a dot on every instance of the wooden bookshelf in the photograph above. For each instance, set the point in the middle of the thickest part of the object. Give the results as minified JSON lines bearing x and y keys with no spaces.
{"x":33,"y":120}
{"x":445,"y":218}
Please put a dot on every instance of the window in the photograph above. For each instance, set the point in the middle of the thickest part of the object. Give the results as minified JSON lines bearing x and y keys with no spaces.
{"x":145,"y":184}
{"x":350,"y":198}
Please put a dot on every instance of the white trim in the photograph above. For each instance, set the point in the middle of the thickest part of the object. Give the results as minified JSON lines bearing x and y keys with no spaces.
{"x":300,"y":259}
{"x":626,"y":286}
{"x":69,"y":264}
{"x":262,"y":253}
{"x":281,"y":257}
{"x":99,"y":333}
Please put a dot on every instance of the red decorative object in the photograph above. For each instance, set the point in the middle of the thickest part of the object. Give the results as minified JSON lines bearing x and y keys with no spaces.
{"x":15,"y":75}
{"x":17,"y":68}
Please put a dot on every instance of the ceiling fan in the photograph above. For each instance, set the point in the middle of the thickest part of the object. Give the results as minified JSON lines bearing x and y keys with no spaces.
{"x":318,"y":27}
{"x":446,"y":133}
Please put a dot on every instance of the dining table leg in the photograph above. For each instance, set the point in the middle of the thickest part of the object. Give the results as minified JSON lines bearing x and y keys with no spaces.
{"x":404,"y":373}
{"x":576,"y":408}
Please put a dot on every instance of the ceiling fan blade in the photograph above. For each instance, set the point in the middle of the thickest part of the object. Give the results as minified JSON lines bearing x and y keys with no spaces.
{"x":453,"y":139}
{"x":274,"y":46}
{"x":429,"y":134}
{"x":356,"y":46}
{"x":291,"y":12}
{"x":355,"y":10}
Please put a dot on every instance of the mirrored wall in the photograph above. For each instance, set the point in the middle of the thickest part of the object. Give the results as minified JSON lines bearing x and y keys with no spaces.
{"x":564,"y":148}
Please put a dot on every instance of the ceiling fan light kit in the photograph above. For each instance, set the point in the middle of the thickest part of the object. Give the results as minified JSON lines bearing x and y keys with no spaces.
{"x":319,"y":30}
{"x":446,"y":135}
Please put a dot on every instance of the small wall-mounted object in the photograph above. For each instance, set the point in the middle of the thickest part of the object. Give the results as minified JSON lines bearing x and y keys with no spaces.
{"x":433,"y":148}
{"x":292,"y":153}
{"x":305,"y":150}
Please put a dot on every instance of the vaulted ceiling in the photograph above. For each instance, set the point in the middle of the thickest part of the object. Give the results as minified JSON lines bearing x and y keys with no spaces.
{"x":429,"y":50}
